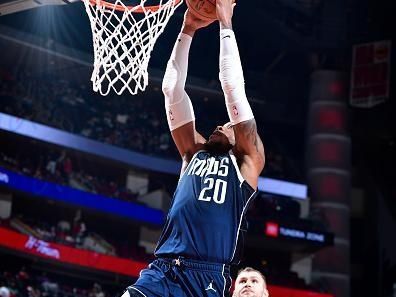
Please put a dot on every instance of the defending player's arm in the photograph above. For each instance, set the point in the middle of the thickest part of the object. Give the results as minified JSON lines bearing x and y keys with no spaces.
{"x":248,"y":148}
{"x":179,"y":109}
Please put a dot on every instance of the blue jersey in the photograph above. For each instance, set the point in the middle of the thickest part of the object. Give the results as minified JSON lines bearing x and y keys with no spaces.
{"x":206,"y":218}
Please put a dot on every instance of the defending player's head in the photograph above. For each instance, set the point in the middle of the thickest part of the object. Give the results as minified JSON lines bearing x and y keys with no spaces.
{"x":250,"y":283}
{"x":222,"y":139}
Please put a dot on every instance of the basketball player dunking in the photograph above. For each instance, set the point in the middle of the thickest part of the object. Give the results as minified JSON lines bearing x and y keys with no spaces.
{"x":218,"y":178}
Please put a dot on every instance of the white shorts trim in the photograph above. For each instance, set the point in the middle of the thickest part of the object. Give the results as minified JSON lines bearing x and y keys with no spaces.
{"x":136,"y":290}
{"x":239,"y":226}
{"x":225,"y":282}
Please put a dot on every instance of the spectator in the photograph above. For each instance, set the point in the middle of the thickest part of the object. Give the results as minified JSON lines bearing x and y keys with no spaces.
{"x":32,"y":292}
{"x":96,"y":291}
{"x":49,"y":288}
{"x":79,"y":228}
{"x":4,"y":292}
{"x":64,"y":226}
{"x":51,"y":166}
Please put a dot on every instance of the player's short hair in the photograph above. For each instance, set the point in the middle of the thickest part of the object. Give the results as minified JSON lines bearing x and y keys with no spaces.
{"x":250,"y":269}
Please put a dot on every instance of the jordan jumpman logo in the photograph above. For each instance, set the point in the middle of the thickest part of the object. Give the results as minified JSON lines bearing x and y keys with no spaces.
{"x":210,"y":287}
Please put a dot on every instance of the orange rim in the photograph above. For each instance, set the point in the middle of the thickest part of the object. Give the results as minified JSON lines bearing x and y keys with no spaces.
{"x":138,"y":8}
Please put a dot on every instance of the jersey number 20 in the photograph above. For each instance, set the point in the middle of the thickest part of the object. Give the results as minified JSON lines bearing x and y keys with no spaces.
{"x":219,"y":192}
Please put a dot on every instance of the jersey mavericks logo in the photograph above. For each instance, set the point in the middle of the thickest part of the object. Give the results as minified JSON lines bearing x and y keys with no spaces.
{"x":211,"y":170}
{"x":210,"y":166}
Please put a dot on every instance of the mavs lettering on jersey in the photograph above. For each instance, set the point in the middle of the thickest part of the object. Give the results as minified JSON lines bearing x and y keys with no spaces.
{"x":206,"y":218}
{"x":213,"y":171}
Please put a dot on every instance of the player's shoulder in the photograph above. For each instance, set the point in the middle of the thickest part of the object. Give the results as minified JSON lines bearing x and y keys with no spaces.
{"x":189,"y":156}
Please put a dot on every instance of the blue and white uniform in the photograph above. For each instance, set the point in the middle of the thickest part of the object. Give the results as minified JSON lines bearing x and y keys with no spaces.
{"x":203,"y":232}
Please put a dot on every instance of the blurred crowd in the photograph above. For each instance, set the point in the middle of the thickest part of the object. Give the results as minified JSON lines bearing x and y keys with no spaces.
{"x":75,"y":233}
{"x":58,"y":167}
{"x":24,"y":283}
{"x":124,"y":121}
{"x":137,"y":123}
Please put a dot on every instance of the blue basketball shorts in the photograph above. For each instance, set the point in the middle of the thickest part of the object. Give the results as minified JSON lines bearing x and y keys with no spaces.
{"x":182,"y":278}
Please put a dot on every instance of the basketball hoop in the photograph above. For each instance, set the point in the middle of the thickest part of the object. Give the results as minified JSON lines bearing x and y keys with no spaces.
{"x":123,"y":39}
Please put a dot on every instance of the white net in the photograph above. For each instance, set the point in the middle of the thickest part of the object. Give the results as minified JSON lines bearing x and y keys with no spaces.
{"x":123,"y":40}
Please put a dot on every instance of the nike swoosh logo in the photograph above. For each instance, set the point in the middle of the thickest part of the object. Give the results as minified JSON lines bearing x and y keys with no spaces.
{"x":226,"y":36}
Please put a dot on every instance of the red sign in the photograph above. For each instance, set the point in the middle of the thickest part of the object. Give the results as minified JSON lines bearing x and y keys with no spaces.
{"x":370,"y":74}
{"x":58,"y":252}
{"x":276,"y":291}
{"x":272,"y":229}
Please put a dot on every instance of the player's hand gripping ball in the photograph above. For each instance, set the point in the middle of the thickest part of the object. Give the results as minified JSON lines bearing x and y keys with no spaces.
{"x":203,"y":9}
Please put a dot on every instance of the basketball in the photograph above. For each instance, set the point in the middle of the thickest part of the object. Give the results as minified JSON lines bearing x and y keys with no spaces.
{"x":203,"y":9}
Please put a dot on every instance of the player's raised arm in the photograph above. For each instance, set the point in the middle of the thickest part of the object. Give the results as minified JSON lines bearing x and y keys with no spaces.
{"x":248,"y":148}
{"x":179,"y":109}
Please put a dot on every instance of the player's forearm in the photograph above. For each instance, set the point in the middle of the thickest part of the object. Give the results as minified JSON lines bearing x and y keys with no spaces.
{"x":189,"y":30}
{"x":232,"y":80}
{"x":178,"y":105}
{"x":226,"y":24}
{"x":176,"y":70}
{"x":224,"y":11}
